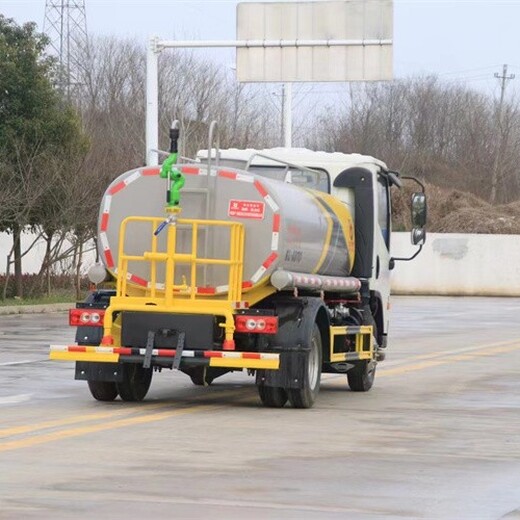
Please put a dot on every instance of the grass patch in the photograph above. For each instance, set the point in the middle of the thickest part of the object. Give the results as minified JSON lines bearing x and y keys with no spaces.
{"x":58,"y":297}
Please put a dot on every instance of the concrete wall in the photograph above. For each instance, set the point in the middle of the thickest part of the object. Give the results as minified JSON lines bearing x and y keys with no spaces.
{"x":32,"y":261}
{"x":449,"y":264}
{"x":458,"y":264}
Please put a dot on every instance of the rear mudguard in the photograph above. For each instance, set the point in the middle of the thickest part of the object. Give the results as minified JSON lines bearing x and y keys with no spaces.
{"x":296,"y":319}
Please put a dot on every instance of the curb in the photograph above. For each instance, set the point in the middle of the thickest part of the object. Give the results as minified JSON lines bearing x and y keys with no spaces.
{"x":35,"y":309}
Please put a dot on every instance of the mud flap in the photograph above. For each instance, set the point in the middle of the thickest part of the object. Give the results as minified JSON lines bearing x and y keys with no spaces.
{"x":91,"y":371}
{"x":292,"y":371}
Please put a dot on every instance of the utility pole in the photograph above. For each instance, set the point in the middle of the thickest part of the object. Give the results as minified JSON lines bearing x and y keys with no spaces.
{"x":65,"y":24}
{"x":504,"y":78}
{"x":286,"y":119}
{"x":282,"y":119}
{"x":287,"y":115}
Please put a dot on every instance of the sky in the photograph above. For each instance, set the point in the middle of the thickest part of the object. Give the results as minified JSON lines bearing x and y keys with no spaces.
{"x":460,"y":40}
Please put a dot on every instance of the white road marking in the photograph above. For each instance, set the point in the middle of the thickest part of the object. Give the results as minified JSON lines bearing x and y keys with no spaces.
{"x":15,"y":399}
{"x":24,"y":362}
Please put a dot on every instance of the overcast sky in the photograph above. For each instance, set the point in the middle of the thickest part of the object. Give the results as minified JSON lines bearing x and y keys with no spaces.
{"x":461,"y":40}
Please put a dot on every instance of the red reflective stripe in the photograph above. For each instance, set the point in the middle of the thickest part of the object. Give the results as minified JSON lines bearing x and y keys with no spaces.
{"x":276,"y":222}
{"x":104,"y":221}
{"x":260,"y":188}
{"x":206,"y":290}
{"x":212,"y":353}
{"x":138,"y":281}
{"x":109,"y":258}
{"x":190,"y":170}
{"x":250,"y":355}
{"x":118,"y":187}
{"x":150,"y":171}
{"x":125,"y":351}
{"x":270,"y":259}
{"x":166,"y":352}
{"x":227,"y":175}
{"x":247,"y":285}
{"x":77,"y":349}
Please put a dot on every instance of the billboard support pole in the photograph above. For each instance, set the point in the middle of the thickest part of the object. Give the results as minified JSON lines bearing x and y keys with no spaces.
{"x":156,"y":46}
{"x":152,"y":103}
{"x":287,"y":115}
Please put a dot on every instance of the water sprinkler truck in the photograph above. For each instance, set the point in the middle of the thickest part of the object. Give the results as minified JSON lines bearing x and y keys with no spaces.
{"x":275,"y":261}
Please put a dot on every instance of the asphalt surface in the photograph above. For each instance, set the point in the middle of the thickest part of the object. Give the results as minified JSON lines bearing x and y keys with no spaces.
{"x":437,"y":437}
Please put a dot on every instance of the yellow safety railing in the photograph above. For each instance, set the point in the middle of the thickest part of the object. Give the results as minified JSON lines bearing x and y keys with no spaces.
{"x":171,"y":258}
{"x":179,"y":298}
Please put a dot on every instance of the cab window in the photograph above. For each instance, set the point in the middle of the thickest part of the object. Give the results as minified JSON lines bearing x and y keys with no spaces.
{"x":383,"y":209}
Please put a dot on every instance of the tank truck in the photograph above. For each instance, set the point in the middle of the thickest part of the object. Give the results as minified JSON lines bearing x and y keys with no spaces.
{"x":274,"y":261}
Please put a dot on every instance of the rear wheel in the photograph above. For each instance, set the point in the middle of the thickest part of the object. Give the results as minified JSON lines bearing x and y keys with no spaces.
{"x":136,"y":382}
{"x":103,"y":390}
{"x":273,"y":397}
{"x":305,"y":397}
{"x":200,"y":377}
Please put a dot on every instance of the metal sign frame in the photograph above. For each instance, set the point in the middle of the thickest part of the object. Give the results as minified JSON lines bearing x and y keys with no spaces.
{"x":156,"y":46}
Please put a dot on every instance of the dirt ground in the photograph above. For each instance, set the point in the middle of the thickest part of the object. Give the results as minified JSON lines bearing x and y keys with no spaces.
{"x":455,"y":211}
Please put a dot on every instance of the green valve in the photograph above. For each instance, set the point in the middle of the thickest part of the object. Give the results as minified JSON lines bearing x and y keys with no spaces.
{"x":176,"y":179}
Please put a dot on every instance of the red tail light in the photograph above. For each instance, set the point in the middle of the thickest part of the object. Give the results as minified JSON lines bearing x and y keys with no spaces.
{"x":86,"y":317}
{"x":256,"y":324}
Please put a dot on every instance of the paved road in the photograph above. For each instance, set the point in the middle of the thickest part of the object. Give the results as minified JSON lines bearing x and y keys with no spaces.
{"x":437,"y":437}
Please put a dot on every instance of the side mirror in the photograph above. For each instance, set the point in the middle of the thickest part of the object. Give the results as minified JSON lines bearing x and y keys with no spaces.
{"x":419,"y":214}
{"x":419,"y":211}
{"x":418,"y":236}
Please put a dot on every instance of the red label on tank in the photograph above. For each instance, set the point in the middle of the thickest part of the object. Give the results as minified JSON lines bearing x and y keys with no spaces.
{"x":246,"y":209}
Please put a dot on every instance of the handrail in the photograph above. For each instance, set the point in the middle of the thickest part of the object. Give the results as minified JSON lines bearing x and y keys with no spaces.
{"x":281,"y":161}
{"x":171,"y":258}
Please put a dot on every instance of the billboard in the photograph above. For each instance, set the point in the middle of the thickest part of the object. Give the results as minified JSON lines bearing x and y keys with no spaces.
{"x":346,"y":40}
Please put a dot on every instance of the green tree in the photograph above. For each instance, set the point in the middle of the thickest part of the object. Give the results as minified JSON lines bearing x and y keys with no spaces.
{"x":41,"y":140}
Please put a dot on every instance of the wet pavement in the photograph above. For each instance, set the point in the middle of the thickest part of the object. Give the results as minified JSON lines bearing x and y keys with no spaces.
{"x":437,"y":437}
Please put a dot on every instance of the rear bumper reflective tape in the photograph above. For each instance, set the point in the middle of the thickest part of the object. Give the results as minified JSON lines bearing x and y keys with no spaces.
{"x":128,"y":351}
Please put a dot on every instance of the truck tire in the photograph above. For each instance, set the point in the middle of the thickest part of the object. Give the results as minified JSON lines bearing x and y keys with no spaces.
{"x":136,"y":382}
{"x":273,"y":397}
{"x":200,"y":377}
{"x":305,"y":397}
{"x":361,"y":377}
{"x":103,"y":390}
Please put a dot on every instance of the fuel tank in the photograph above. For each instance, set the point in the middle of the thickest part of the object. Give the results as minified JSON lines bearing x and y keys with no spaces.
{"x":286,"y":226}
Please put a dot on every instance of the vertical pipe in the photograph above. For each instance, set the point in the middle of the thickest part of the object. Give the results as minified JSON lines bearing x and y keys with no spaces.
{"x":233,"y":260}
{"x":170,"y":264}
{"x":287,"y":115}
{"x":152,"y":103}
{"x":153,"y":263}
{"x":193,"y":275}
